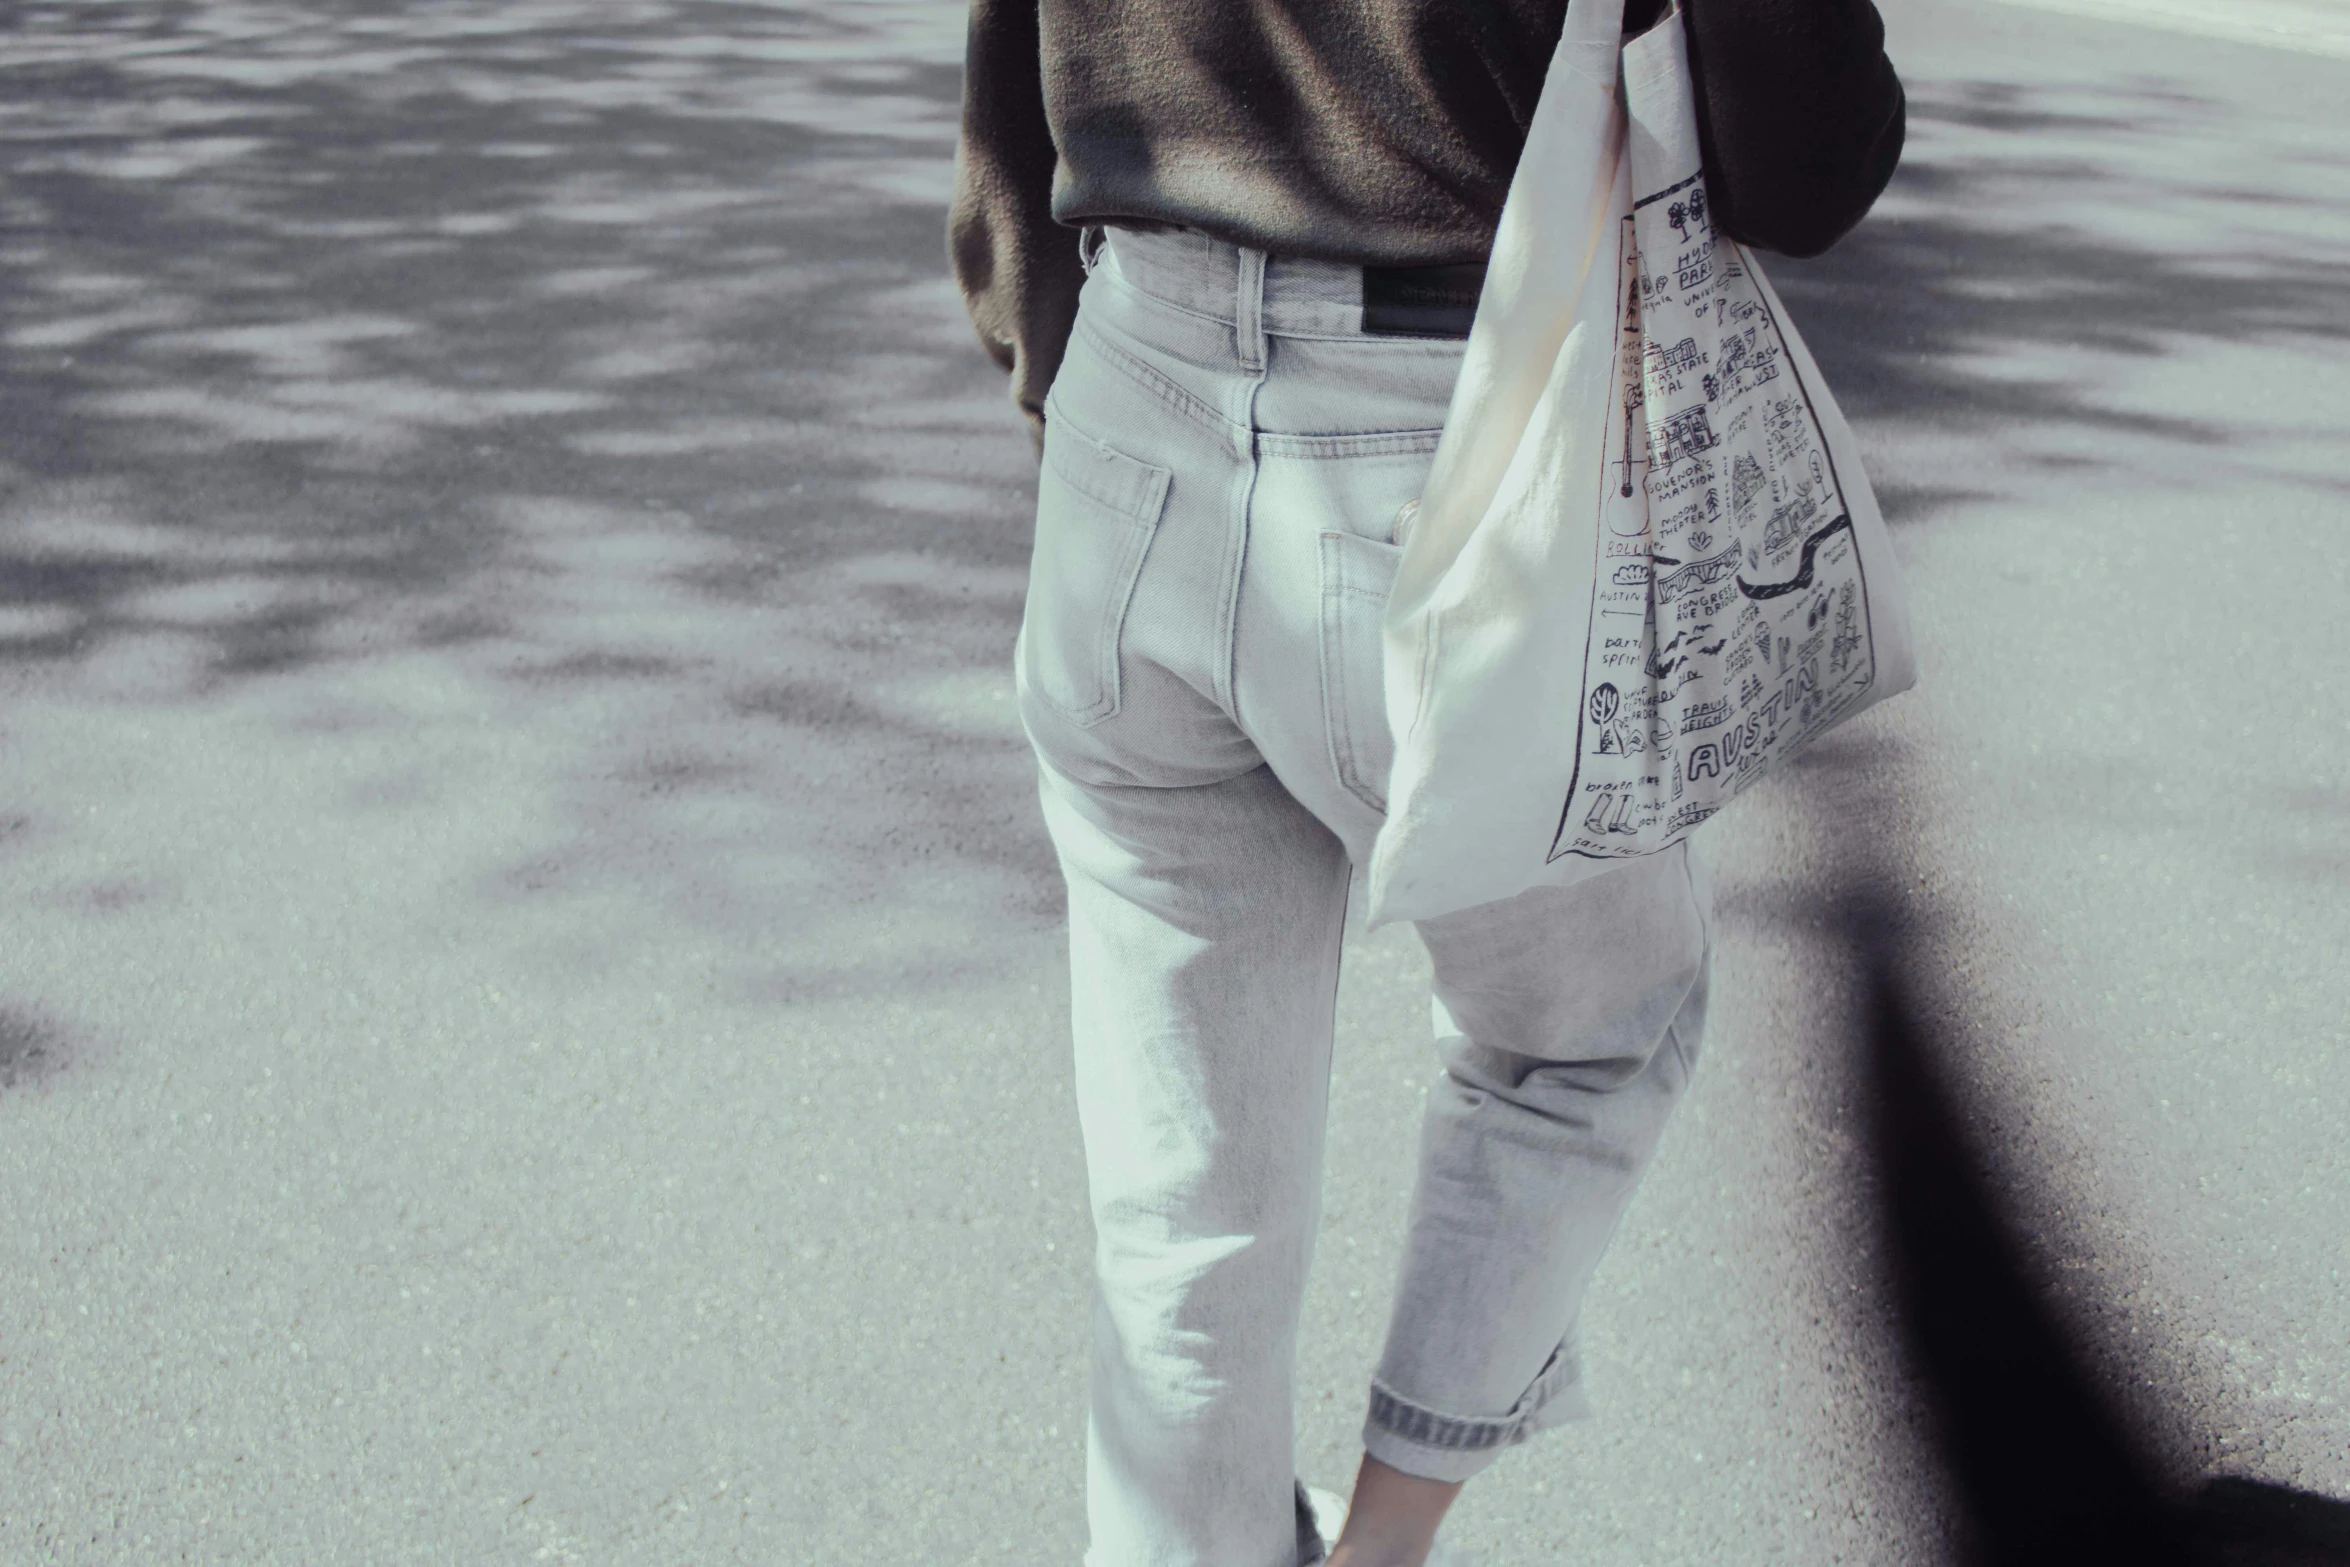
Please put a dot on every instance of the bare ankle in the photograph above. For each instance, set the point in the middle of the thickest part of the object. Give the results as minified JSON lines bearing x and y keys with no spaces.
{"x":1393,"y":1519}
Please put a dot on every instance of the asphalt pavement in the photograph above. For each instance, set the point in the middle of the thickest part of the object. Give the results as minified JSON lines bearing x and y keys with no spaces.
{"x":532,"y":1009}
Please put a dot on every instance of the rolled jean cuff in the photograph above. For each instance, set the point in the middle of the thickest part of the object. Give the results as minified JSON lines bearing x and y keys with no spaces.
{"x":1436,"y":1446}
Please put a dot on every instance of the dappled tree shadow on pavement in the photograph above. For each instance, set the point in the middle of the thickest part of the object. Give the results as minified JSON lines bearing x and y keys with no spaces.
{"x":598,"y":359}
{"x":2046,"y":240}
{"x":594,"y":369}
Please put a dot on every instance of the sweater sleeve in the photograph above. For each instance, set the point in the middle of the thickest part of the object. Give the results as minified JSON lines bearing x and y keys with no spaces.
{"x":1799,"y":115}
{"x":1017,"y":268}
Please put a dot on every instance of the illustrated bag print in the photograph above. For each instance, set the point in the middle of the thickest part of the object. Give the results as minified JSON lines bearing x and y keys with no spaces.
{"x":1648,"y":565}
{"x":1731,"y":618}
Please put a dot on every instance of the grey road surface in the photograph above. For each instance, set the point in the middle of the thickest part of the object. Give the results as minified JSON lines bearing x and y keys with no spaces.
{"x":531,"y":993}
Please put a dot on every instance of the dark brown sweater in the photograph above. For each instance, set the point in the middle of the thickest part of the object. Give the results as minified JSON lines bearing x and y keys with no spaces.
{"x":1380,"y":132}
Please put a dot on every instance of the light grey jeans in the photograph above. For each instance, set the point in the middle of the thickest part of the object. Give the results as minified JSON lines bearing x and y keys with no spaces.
{"x":1199,"y":671}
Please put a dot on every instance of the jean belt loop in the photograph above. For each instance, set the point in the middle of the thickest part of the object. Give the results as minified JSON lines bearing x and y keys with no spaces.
{"x":1248,"y":315}
{"x":1090,"y":240}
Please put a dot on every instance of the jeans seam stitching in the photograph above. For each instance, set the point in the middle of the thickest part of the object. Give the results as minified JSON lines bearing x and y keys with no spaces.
{"x":1154,"y":382}
{"x":1137,"y":291}
{"x":1341,"y":448}
{"x":1142,"y":527}
{"x":1338,"y":718}
{"x":1338,"y":714}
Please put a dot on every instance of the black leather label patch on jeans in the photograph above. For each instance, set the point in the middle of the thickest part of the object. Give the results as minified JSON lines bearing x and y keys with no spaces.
{"x":1421,"y":301}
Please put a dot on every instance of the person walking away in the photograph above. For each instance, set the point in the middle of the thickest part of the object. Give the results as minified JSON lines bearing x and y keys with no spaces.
{"x":1228,"y":251}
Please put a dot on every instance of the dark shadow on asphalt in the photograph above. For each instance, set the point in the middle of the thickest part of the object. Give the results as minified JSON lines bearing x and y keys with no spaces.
{"x":2050,"y":1474}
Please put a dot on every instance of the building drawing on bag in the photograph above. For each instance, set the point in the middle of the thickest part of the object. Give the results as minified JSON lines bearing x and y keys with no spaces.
{"x":1745,"y":362}
{"x":1737,"y":348}
{"x":1787,"y":521}
{"x":1667,"y":369}
{"x":1685,"y":434}
{"x":1746,"y":482}
{"x":1679,"y":359}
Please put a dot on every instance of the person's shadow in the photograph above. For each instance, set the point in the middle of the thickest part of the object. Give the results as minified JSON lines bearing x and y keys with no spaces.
{"x":2046,"y":1470}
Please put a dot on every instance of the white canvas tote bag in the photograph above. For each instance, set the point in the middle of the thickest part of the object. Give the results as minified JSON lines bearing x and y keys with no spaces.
{"x":1647,"y":565}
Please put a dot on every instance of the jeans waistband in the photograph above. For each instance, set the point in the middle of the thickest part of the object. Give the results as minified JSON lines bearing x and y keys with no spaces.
{"x":1289,"y":294}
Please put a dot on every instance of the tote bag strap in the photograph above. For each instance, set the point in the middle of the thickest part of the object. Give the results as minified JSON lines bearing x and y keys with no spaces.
{"x":1552,"y":228}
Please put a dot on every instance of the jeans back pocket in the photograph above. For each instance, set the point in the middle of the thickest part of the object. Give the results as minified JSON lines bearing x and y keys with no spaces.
{"x":1357,"y":575}
{"x":1096,"y":509}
